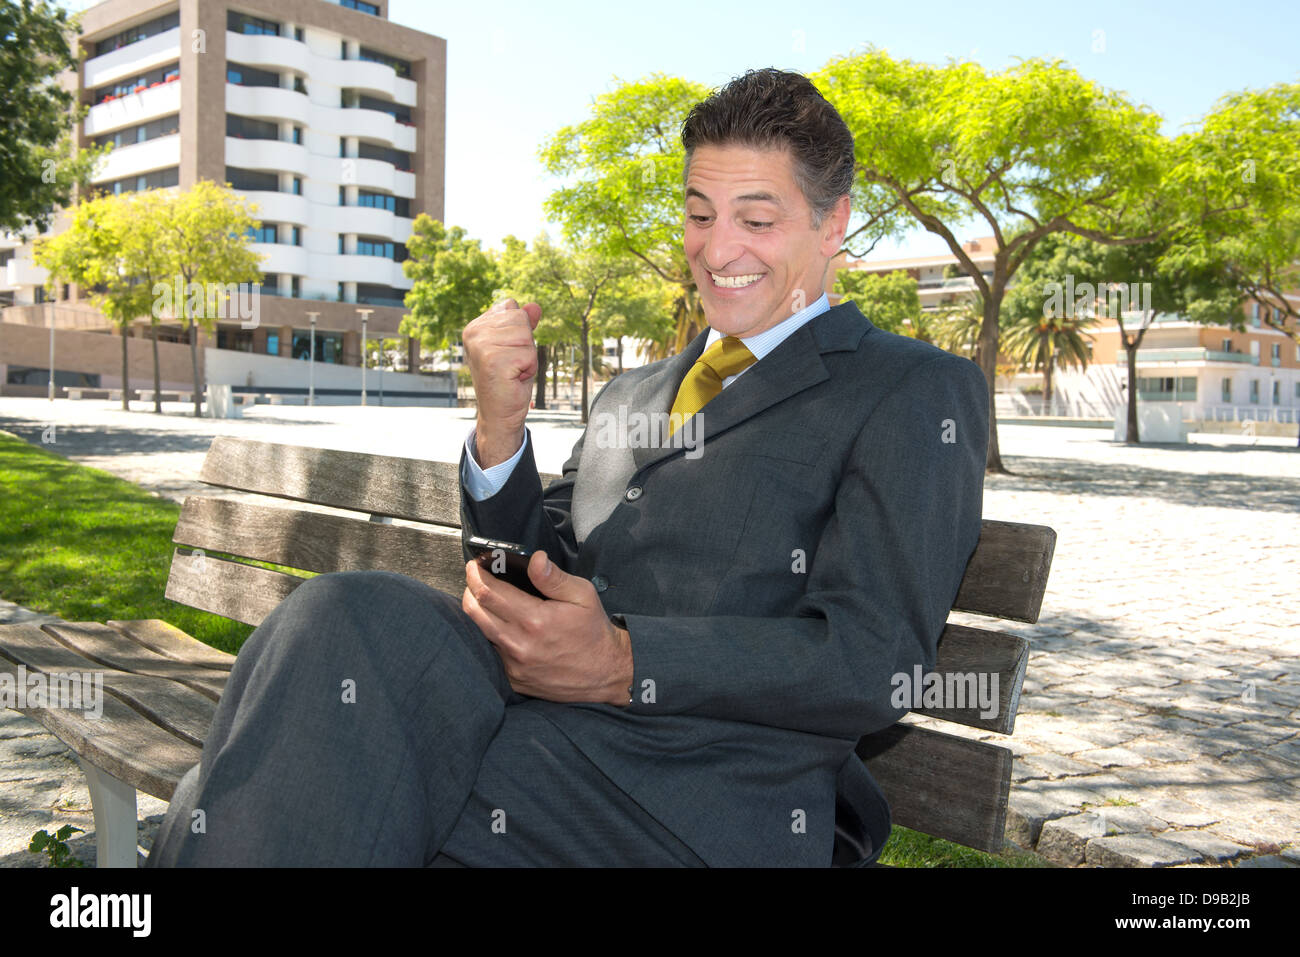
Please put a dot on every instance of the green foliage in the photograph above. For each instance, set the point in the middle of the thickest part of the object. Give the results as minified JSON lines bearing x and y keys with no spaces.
{"x":889,"y":300}
{"x":41,"y":166}
{"x":55,"y":846}
{"x":454,"y":281}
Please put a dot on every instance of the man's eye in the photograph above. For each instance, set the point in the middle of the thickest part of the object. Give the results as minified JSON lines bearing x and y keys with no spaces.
{"x":759,"y":225}
{"x":699,"y":219}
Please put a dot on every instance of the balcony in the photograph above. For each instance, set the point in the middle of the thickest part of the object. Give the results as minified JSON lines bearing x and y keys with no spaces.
{"x":158,"y":153}
{"x":132,"y":59}
{"x":134,"y":108}
{"x":1190,"y":355}
{"x":268,"y":103}
{"x":275,"y":155}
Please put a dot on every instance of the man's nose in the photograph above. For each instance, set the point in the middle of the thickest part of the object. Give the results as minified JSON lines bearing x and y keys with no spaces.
{"x":723,"y":244}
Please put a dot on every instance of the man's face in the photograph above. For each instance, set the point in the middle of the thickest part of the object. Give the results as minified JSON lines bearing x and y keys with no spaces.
{"x":746,"y":217}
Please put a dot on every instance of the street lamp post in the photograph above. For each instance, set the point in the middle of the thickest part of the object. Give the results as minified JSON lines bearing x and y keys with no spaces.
{"x":365,"y":318}
{"x":51,"y":390}
{"x":311,"y":361}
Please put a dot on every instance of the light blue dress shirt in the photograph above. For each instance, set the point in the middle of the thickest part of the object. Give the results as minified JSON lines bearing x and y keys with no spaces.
{"x":484,"y":483}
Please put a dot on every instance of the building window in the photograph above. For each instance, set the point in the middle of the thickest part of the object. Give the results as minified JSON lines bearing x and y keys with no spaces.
{"x":1227,"y":345}
{"x":374,"y":247}
{"x":1297,"y":390}
{"x":342,"y":296}
{"x":158,"y":179}
{"x":136,"y":84}
{"x":297,"y":34}
{"x":360,"y":101}
{"x":343,"y":49}
{"x":401,"y":67}
{"x":270,"y":284}
{"x":246,"y":128}
{"x":1227,"y":390}
{"x":141,"y":31}
{"x":1277,"y":352}
{"x":1167,"y":389}
{"x":343,"y":196}
{"x":295,"y":286}
{"x":297,"y":186}
{"x":167,"y":126}
{"x":252,"y":179}
{"x":361,"y":5}
{"x":1277,"y":392}
{"x":1254,"y":392}
{"x":272,"y":343}
{"x":253,"y":26}
{"x":297,"y":235}
{"x":399,"y":158}
{"x":1254,"y":348}
{"x":341,"y":252}
{"x":297,"y":134}
{"x":394,"y":204}
{"x":299,"y":85}
{"x":241,"y":75}
{"x":266,"y":233}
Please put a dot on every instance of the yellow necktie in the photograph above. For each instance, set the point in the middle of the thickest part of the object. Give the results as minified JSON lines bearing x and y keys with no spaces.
{"x":703,"y":382}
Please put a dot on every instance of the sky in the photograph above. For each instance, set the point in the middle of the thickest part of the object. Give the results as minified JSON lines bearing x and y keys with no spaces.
{"x":518,"y":71}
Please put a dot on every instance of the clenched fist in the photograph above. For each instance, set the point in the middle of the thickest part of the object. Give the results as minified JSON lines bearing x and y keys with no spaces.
{"x":502,"y":359}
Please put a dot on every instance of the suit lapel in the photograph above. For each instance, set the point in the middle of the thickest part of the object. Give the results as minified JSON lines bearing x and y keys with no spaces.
{"x":791,"y":367}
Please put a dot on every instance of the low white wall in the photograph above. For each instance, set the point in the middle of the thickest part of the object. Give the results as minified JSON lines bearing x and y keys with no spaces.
{"x":335,"y":384}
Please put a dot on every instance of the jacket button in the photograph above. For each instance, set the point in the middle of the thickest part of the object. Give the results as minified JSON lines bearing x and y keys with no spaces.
{"x":633,"y":493}
{"x":600,"y":582}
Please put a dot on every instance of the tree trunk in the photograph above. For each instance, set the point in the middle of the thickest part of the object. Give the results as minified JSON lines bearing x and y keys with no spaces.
{"x":194,"y":365}
{"x":620,"y":355}
{"x":986,"y":355}
{"x":1047,"y":384}
{"x":157,"y":379}
{"x":539,"y":401}
{"x":126,"y":381}
{"x":1131,"y":436}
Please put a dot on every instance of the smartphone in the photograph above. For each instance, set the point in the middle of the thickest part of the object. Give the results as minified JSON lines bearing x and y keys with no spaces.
{"x":505,"y":560}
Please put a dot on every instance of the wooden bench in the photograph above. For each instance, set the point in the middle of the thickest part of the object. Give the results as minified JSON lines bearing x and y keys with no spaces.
{"x":162,"y":686}
{"x":167,"y":395}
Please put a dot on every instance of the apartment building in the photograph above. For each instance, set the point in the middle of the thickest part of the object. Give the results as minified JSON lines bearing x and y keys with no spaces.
{"x":326,"y":115}
{"x":1212,"y":372}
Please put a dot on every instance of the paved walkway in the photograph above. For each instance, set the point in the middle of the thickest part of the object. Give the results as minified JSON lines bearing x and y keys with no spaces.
{"x":1159,"y":720}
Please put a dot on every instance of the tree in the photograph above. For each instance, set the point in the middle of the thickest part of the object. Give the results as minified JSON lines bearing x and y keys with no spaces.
{"x":637,"y":306}
{"x":41,"y":167}
{"x":1036,"y":335}
{"x":524,"y":276}
{"x":206,"y":233}
{"x":139,"y":223}
{"x":1028,"y":152}
{"x":890,"y":300}
{"x":1246,"y":156}
{"x":90,"y":254}
{"x":625,"y":192}
{"x":454,"y":281}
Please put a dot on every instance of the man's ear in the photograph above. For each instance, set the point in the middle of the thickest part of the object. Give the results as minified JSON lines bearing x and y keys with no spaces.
{"x":836,"y":226}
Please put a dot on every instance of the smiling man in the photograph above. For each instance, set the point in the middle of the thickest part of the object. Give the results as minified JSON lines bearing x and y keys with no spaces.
{"x":717,"y":631}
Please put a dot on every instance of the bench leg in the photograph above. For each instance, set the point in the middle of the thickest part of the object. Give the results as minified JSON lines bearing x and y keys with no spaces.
{"x":115,"y":818}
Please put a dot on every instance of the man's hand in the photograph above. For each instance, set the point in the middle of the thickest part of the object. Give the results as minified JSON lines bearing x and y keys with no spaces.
{"x":562,"y":649}
{"x":502,"y":359}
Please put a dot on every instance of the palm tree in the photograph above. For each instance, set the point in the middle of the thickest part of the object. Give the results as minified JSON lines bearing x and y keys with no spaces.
{"x":1046,"y":343}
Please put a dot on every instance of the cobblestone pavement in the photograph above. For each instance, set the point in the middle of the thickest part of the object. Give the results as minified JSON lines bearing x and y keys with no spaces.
{"x":1158,"y":724}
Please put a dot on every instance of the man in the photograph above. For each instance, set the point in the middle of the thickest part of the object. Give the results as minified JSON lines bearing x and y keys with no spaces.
{"x":727,"y":595}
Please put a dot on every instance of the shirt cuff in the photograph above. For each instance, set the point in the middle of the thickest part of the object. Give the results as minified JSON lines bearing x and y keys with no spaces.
{"x":483,"y":484}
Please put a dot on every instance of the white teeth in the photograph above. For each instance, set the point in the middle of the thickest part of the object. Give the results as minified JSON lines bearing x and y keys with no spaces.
{"x":735,"y":282}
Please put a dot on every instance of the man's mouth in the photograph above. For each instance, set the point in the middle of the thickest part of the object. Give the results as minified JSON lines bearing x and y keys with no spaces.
{"x":735,"y":282}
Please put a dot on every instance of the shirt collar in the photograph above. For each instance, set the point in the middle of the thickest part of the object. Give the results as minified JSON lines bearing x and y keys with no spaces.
{"x":763,"y":343}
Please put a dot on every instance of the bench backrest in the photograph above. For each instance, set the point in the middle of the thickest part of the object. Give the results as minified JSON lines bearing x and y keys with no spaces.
{"x":943,"y":784}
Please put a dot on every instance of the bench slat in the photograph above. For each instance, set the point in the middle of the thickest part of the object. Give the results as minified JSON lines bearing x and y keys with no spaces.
{"x":176,"y":708}
{"x":413,"y":489}
{"x":949,"y":787}
{"x":241,"y":592}
{"x":121,"y":742}
{"x":317,"y":542}
{"x":1007,"y":575}
{"x":169,"y":641}
{"x":105,"y":645}
{"x":964,"y":650}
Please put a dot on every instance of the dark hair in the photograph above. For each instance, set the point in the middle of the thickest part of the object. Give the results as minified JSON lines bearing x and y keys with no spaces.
{"x":773,"y":109}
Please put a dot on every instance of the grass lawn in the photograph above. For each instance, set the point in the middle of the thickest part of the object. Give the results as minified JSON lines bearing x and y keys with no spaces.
{"x":87,"y":546}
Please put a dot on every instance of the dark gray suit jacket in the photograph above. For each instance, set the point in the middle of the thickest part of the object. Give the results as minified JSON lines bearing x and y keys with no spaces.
{"x":771,"y":584}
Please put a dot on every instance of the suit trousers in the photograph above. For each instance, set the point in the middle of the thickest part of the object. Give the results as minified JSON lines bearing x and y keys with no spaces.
{"x":368,"y":722}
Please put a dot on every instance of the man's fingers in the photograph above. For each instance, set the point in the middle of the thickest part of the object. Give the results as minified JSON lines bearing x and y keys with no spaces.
{"x":534,"y":313}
